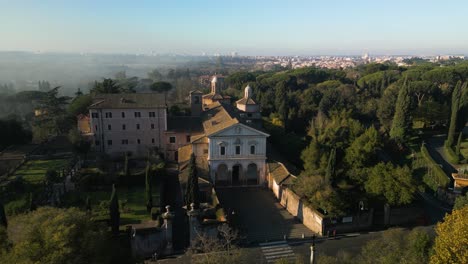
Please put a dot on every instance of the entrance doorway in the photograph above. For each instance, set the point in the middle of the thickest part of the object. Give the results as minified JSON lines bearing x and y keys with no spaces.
{"x":236,"y":169}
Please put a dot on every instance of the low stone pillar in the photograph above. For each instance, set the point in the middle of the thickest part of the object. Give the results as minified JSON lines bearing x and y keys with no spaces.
{"x":386,"y":214}
{"x":168,"y":216}
{"x":193,"y":221}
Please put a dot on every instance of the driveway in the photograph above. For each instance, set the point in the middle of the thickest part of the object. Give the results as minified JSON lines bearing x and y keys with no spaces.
{"x":259,"y":216}
{"x":435,"y":146}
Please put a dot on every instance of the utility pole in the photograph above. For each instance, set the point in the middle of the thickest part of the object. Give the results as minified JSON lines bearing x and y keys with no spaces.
{"x":312,"y":251}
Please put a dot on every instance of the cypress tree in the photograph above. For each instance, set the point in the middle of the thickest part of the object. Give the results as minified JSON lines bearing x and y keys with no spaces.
{"x":88,"y":204}
{"x":192,"y":193}
{"x":454,"y":114}
{"x":3,"y":218}
{"x":401,"y":120}
{"x":149,"y":196}
{"x":114,"y":211}
{"x":457,"y":149}
{"x":330,"y":172}
{"x":126,"y":171}
{"x":32,"y":202}
{"x":281,"y":102}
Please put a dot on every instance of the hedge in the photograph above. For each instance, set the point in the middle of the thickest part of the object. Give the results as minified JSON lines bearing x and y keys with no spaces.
{"x":442,"y":178}
{"x":450,"y":153}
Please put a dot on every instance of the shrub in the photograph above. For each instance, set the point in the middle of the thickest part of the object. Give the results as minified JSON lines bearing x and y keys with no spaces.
{"x":155,"y":213}
{"x":450,"y":153}
{"x":440,"y":177}
{"x":93,"y":177}
{"x":17,"y":206}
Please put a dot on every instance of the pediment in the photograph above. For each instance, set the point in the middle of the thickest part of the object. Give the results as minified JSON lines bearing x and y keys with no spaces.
{"x":239,"y":130}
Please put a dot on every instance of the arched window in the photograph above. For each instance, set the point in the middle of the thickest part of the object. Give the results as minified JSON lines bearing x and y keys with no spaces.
{"x":252,"y":149}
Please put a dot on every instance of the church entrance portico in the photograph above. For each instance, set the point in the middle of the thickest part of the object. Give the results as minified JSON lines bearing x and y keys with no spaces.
{"x":236,"y":174}
{"x":252,"y":174}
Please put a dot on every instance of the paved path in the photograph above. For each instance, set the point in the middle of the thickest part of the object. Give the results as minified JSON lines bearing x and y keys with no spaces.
{"x":259,"y":216}
{"x":275,"y":251}
{"x":435,"y":146}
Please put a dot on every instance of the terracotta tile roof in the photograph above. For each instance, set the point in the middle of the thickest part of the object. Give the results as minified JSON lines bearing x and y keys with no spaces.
{"x":217,"y":117}
{"x":246,"y":101}
{"x":202,"y":165}
{"x":129,"y":100}
{"x":189,"y":124}
{"x":216,"y":96}
{"x":279,"y":173}
{"x":81,"y":117}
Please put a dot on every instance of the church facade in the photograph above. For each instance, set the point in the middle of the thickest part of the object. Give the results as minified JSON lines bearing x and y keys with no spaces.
{"x":230,"y":149}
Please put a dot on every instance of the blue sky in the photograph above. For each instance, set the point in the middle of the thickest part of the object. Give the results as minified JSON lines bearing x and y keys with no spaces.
{"x":269,"y":27}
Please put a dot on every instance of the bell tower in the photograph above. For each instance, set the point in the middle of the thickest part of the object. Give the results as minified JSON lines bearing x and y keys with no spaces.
{"x":196,"y":105}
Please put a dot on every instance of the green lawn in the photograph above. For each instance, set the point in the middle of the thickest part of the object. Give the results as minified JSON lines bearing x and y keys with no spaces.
{"x":131,"y":199}
{"x":33,"y":171}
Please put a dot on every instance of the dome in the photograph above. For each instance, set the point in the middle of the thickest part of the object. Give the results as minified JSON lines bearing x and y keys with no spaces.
{"x":248,"y":92}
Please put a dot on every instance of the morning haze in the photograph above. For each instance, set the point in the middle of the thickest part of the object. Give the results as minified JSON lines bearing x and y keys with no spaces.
{"x":233,"y":132}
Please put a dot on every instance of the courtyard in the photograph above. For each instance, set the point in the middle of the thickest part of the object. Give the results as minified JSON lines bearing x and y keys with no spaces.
{"x":259,"y":216}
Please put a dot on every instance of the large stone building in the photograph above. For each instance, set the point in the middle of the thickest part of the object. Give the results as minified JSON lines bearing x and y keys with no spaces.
{"x":228,"y":141}
{"x":132,"y":123}
{"x":231,"y":148}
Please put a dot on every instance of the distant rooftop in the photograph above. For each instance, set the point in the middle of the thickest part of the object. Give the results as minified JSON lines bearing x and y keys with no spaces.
{"x":128,"y":101}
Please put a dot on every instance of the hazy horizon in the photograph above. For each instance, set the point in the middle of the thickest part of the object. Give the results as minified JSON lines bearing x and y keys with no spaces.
{"x":262,"y":28}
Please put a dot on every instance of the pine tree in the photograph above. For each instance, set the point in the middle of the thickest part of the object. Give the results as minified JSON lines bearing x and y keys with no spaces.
{"x":114,"y":211}
{"x":454,"y":115}
{"x":330,"y":172}
{"x":149,"y":196}
{"x":3,"y":218}
{"x":401,"y":120}
{"x":192,"y":193}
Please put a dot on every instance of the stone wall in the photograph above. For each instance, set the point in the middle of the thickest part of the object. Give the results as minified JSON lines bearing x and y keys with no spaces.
{"x":294,"y":205}
{"x":146,"y":244}
{"x":313,"y":219}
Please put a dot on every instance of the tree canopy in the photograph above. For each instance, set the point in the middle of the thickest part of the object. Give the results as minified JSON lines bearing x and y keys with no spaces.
{"x":451,"y":242}
{"x":53,"y":235}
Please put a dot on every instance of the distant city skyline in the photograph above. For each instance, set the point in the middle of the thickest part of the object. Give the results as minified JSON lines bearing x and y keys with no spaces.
{"x":246,"y":27}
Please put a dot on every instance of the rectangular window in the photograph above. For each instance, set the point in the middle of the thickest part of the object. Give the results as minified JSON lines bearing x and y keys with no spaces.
{"x":152,"y":126}
{"x":238,"y":150}
{"x":109,"y":142}
{"x":252,"y":149}
{"x":138,"y":126}
{"x":124,"y":127}
{"x":96,"y":142}
{"x":123,"y":114}
{"x":109,"y":127}
{"x":222,"y":150}
{"x":137,"y":114}
{"x":187,"y":138}
{"x":138,"y":141}
{"x":171,"y":139}
{"x":108,"y":115}
{"x":94,"y":115}
{"x":152,"y":140}
{"x":124,"y":141}
{"x":152,"y":114}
